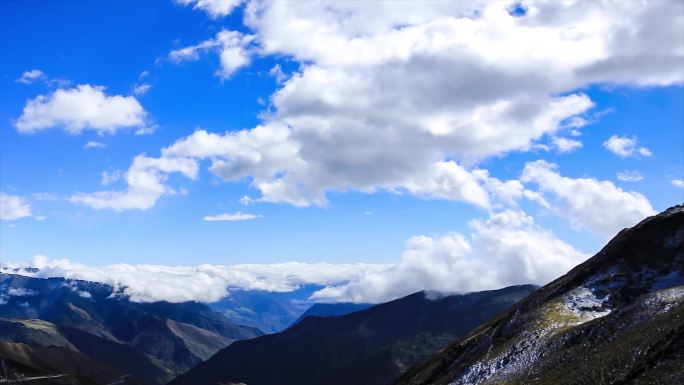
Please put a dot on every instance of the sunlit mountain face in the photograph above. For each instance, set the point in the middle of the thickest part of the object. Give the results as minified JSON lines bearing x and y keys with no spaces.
{"x":298,"y":192}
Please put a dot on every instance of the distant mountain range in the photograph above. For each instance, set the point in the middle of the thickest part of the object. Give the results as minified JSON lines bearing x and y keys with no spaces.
{"x":88,"y":322}
{"x":270,"y":312}
{"x":618,"y":318}
{"x":331,"y":310}
{"x":371,"y":346}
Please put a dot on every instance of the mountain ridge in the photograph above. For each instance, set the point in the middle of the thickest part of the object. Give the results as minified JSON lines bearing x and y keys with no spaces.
{"x":369,"y":346}
{"x":613,"y":296}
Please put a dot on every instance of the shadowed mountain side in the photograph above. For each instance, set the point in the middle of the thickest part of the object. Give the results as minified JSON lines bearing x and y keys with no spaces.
{"x":370,"y":346}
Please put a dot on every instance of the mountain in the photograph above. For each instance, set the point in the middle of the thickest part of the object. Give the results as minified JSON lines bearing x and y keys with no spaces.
{"x":618,"y":318}
{"x":331,"y":310}
{"x":270,"y":312}
{"x":91,"y":322}
{"x":371,"y":346}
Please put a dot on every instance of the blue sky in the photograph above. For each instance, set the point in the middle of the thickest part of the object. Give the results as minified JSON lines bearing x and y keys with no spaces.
{"x":362,"y":218}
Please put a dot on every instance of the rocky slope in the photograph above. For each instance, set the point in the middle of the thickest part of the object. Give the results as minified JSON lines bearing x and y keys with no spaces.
{"x":370,"y":346}
{"x":618,"y":318}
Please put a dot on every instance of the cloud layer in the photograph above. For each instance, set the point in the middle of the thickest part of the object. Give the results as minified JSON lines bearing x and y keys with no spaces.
{"x":508,"y":248}
{"x":205,"y":283}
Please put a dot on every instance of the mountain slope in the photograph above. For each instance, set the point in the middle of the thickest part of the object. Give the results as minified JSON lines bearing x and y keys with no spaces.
{"x":618,"y":318}
{"x":20,"y":363}
{"x":371,"y":346}
{"x":153,"y":342}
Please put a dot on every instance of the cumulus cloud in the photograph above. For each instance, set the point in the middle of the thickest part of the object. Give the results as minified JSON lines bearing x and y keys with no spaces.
{"x":232,"y":47}
{"x":32,"y":76}
{"x":598,"y":206}
{"x":214,"y":8}
{"x":94,"y":144}
{"x":678,"y":183}
{"x":410,"y":97}
{"x":506,"y":249}
{"x":630,"y":176}
{"x":145,"y":181}
{"x":626,"y":147}
{"x":238,"y":216}
{"x":85,"y":107}
{"x":205,"y":283}
{"x":13,"y":207}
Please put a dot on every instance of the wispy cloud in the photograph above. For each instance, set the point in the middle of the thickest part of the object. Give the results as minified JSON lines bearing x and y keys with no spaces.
{"x":226,"y":217}
{"x":630,"y":176}
{"x":32,"y":76}
{"x":93,"y":144}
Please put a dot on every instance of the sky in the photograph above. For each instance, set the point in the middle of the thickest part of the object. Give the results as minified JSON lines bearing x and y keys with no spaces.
{"x":450,"y":146}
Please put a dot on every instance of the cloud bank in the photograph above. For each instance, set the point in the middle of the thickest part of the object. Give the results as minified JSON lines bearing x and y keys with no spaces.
{"x":205,"y":283}
{"x":506,"y":249}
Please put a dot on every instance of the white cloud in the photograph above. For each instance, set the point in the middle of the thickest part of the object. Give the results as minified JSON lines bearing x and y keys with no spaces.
{"x":81,"y":108}
{"x":20,"y":292}
{"x":678,"y":183}
{"x":625,"y":147}
{"x":238,"y":216}
{"x":232,"y":47}
{"x":409,"y":97}
{"x":566,"y":145}
{"x":206,"y":283}
{"x":506,"y":249}
{"x":40,"y":217}
{"x":598,"y":206}
{"x":13,"y":207}
{"x":214,"y":8}
{"x":94,"y":144}
{"x":141,"y":89}
{"x":145,"y":184}
{"x":32,"y":76}
{"x":630,"y":176}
